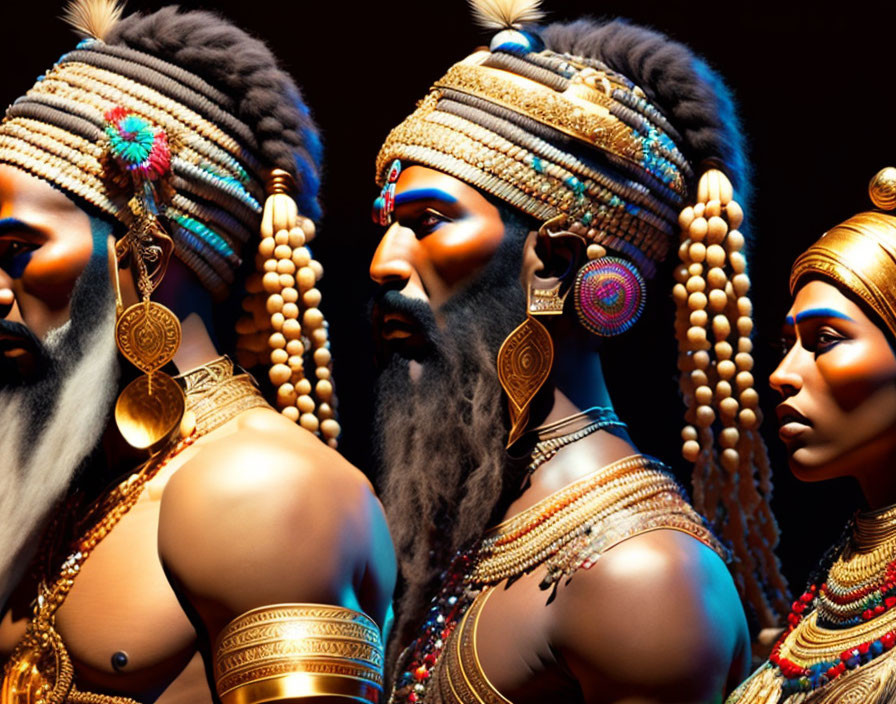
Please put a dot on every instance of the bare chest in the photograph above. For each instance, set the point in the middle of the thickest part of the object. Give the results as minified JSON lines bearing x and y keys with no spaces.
{"x":121,"y":622}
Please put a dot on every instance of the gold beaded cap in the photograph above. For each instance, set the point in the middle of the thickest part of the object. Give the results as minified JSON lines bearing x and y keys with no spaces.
{"x":858,"y":255}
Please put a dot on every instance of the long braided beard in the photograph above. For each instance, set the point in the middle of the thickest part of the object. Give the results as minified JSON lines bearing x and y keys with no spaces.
{"x":51,"y":422}
{"x":441,"y":436}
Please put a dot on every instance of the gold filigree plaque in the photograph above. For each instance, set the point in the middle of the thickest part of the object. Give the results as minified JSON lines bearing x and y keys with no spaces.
{"x":148,"y":335}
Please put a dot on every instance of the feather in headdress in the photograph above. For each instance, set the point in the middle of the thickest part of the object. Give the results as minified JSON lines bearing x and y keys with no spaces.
{"x":93,"y":18}
{"x":506,"y":14}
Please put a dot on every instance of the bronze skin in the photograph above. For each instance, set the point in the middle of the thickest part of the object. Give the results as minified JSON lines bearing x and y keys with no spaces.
{"x":45,"y":243}
{"x":838,"y":384}
{"x":446,"y":237}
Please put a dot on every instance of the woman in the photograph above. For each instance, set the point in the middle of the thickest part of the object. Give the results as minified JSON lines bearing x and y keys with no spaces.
{"x":838,"y":418}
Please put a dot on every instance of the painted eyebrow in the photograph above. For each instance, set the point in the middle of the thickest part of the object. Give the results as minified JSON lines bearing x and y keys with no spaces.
{"x":817,"y":313}
{"x":425,"y":194}
{"x":14,"y":225}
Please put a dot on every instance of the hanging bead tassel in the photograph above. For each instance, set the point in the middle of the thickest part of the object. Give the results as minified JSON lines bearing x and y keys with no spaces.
{"x":713,"y":325}
{"x":283,"y":316}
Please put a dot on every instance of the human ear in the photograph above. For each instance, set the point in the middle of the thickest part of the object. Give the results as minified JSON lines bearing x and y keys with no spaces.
{"x":551,"y":257}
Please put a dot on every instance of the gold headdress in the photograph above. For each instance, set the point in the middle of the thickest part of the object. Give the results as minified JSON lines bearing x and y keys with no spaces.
{"x":860,"y":253}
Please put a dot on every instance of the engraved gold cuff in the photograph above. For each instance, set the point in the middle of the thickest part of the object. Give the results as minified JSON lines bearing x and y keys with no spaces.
{"x":294,"y":651}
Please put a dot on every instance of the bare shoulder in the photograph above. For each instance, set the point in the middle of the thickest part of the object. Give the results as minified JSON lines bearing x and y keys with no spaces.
{"x":657,"y":614}
{"x":270,"y":514}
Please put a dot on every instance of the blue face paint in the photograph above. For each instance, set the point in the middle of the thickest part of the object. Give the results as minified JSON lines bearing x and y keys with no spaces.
{"x":425,"y":194}
{"x":13,"y":225}
{"x":100,"y":230}
{"x":16,"y":263}
{"x":16,"y":266}
{"x":820,"y":313}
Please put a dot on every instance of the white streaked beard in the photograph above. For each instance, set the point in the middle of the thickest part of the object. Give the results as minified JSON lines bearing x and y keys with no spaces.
{"x":51,"y":425}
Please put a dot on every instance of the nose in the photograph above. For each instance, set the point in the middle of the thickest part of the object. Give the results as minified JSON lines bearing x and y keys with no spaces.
{"x":393,"y":260}
{"x":786,"y":379}
{"x":7,"y":297}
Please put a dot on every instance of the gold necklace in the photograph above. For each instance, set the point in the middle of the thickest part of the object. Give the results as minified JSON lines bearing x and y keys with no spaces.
{"x":40,"y":670}
{"x":627,"y":496}
{"x":852,"y":588}
{"x":555,"y":436}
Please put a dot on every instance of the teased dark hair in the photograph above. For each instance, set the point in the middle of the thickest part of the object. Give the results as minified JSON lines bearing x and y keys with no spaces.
{"x":264,"y":96}
{"x":693,"y":97}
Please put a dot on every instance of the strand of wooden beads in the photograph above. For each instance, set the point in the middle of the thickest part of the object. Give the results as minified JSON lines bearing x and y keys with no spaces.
{"x":317,"y":337}
{"x":695,"y":362}
{"x":279,"y":297}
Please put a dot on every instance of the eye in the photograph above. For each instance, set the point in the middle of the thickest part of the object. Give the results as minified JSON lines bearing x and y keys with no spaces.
{"x":14,"y":255}
{"x":429,"y":221}
{"x":826,"y":338}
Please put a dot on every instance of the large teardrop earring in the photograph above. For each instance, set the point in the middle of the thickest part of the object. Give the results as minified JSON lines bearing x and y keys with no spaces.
{"x":527,"y":355}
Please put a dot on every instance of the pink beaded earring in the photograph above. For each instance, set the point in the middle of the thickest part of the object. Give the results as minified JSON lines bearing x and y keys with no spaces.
{"x":609,"y":296}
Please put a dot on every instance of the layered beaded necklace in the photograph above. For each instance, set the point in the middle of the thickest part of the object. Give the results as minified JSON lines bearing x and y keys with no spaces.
{"x":555,"y":532}
{"x":841,"y":623}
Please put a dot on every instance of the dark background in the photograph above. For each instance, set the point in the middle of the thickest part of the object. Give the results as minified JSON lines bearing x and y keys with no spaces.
{"x":814,"y":89}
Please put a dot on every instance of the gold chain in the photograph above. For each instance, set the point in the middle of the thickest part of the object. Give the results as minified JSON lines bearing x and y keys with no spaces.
{"x":40,"y":669}
{"x":564,"y":519}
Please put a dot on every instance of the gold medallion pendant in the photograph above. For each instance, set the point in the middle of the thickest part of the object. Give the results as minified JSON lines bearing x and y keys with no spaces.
{"x":148,"y":335}
{"x":149,"y":410}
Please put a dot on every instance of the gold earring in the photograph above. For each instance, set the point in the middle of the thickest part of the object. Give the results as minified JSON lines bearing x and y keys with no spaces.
{"x":527,"y":355}
{"x":147,"y":334}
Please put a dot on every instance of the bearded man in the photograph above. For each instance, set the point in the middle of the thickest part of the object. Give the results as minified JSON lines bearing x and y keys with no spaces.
{"x":244,"y":560}
{"x":564,"y":159}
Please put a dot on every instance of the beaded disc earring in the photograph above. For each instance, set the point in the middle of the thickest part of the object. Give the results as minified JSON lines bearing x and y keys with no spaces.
{"x":609,"y":296}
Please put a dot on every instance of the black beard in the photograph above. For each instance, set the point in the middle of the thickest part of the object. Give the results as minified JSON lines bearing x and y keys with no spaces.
{"x":441,"y":438}
{"x":53,"y":419}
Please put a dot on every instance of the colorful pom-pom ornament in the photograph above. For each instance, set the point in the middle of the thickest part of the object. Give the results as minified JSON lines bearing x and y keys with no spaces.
{"x":137,"y":144}
{"x":609,"y":296}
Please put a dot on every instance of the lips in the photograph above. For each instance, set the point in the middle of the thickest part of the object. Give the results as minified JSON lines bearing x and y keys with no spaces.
{"x":791,"y":422}
{"x":395,"y":326}
{"x":11,"y":344}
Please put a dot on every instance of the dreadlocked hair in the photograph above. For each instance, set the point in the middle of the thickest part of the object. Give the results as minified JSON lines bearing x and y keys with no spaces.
{"x":283,"y":325}
{"x":731,"y":477}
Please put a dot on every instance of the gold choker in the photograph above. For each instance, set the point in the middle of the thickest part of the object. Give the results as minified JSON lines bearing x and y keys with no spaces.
{"x":215,"y":394}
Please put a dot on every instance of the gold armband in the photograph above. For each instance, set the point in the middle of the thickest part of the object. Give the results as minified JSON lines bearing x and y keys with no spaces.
{"x":292,"y":651}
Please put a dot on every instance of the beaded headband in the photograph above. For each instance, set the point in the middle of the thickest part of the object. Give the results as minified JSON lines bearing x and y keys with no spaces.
{"x":553,"y":135}
{"x":59,"y":131}
{"x":134,"y":136}
{"x":859,"y":254}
